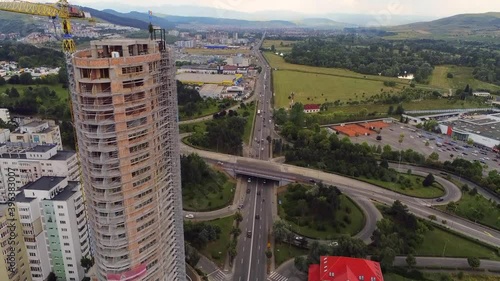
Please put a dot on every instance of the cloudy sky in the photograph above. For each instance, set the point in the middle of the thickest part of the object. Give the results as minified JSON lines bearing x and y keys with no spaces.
{"x":400,"y":7}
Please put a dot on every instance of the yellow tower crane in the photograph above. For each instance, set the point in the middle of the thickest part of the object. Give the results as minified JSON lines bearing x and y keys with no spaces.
{"x":61,"y":9}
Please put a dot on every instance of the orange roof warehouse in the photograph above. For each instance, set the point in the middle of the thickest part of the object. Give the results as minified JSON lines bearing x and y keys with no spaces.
{"x":360,"y":128}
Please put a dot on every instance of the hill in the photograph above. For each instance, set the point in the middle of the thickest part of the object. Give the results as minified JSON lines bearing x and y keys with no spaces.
{"x":481,"y":25}
{"x":117,"y":19}
{"x":170,"y":21}
{"x":12,"y":23}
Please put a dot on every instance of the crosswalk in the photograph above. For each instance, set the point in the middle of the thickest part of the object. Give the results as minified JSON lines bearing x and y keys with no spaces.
{"x":275,"y":276}
{"x":217,"y":276}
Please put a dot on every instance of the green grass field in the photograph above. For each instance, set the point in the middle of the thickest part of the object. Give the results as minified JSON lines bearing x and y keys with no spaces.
{"x":217,"y":250}
{"x":249,"y":123}
{"x":416,"y":189}
{"x":320,"y":88}
{"x":468,"y":205}
{"x":356,"y":216}
{"x":285,"y":47}
{"x":200,"y":202}
{"x":446,"y":244}
{"x":62,"y":93}
{"x":205,"y":111}
{"x":284,"y":252}
{"x":461,"y":77}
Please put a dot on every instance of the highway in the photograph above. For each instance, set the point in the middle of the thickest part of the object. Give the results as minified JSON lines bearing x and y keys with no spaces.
{"x":353,"y":188}
{"x":251,"y":261}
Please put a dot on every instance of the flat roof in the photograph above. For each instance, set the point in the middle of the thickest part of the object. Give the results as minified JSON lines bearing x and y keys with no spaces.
{"x":67,"y":192}
{"x":44,"y":183}
{"x":41,"y":148}
{"x":211,"y":90}
{"x":63,"y":155}
{"x":34,"y":124}
{"x":204,"y":78}
{"x":488,"y":129}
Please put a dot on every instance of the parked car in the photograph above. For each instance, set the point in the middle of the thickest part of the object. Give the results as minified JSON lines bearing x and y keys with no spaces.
{"x":440,"y":200}
{"x":189,"y":216}
{"x":249,"y":234}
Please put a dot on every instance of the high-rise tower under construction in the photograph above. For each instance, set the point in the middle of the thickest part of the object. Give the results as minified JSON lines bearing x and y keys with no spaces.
{"x":125,"y":113}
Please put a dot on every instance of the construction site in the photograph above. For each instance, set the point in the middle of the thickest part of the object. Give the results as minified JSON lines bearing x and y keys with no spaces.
{"x":124,"y":107}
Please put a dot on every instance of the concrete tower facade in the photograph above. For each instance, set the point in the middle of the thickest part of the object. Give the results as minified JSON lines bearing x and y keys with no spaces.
{"x":125,"y":112}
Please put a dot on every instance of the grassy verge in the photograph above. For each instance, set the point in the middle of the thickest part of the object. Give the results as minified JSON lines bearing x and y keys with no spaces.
{"x":250,"y":121}
{"x":217,"y":250}
{"x":279,"y":45}
{"x":442,"y":243}
{"x":284,"y":252}
{"x":439,"y":276}
{"x":205,"y":111}
{"x":331,"y":230}
{"x":200,"y":202}
{"x":416,"y":189}
{"x":476,"y":208}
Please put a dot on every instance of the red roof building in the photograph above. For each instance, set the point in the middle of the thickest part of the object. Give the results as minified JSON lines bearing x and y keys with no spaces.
{"x":345,"y":269}
{"x":311,"y":108}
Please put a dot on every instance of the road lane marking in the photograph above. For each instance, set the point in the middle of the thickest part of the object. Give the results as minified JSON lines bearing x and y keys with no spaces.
{"x":253,"y":230}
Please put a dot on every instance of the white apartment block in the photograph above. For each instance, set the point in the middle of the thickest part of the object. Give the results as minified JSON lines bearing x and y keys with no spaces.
{"x":4,"y":115}
{"x":21,"y":163}
{"x":4,"y":135}
{"x":54,"y":222}
{"x":39,"y":132}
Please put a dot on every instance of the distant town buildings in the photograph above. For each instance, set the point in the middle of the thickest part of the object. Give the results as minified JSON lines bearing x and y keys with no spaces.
{"x":4,"y":115}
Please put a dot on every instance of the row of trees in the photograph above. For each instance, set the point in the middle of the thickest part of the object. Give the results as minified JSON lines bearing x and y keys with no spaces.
{"x":372,"y":55}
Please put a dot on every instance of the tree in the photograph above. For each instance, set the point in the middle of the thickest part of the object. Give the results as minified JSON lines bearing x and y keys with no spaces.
{"x":14,"y":79}
{"x":13,"y":93}
{"x":25,"y":78}
{"x":470,"y":141}
{"x":52,"y":277}
{"x":238,"y":217}
{"x":399,"y":110}
{"x":86,"y":262}
{"x":300,"y":263}
{"x":474,"y":262}
{"x":434,"y":156}
{"x":269,"y":253}
{"x":390,"y":111}
{"x":428,"y":181}
{"x":2,"y":81}
{"x":449,"y":75}
{"x":384,"y":164}
{"x":280,"y":230}
{"x":411,"y":261}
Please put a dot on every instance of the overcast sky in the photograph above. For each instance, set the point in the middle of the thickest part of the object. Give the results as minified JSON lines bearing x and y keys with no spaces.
{"x":401,"y":7}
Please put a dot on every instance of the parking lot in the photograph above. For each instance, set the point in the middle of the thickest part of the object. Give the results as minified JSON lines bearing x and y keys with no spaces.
{"x":416,"y":139}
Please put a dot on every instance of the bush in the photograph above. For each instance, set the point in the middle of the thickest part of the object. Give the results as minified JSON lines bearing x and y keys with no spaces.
{"x":449,"y":75}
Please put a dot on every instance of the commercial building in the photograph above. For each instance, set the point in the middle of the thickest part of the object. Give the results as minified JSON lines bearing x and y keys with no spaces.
{"x":14,"y":264}
{"x":39,"y":132}
{"x":125,"y":113}
{"x":21,"y":163}
{"x":483,"y":130}
{"x":54,"y":223}
{"x":4,"y":135}
{"x":4,"y":115}
{"x":345,"y":268}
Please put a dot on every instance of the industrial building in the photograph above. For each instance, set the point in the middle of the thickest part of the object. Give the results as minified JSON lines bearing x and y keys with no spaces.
{"x":54,"y":222}
{"x":14,"y":264}
{"x":21,"y":163}
{"x":125,"y":112}
{"x":38,"y":132}
{"x":483,"y":129}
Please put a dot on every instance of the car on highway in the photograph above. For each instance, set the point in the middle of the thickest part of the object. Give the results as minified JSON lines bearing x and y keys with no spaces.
{"x":439,"y":200}
{"x":264,"y":181}
{"x":189,"y":216}
{"x":248,"y":190}
{"x":249,"y":179}
{"x":249,"y":234}
{"x":258,"y":192}
{"x":257,"y":216}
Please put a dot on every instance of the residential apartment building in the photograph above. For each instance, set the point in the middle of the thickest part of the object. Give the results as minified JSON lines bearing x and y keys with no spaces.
{"x":39,"y":132}
{"x":54,"y":223}
{"x":21,"y":163}
{"x":14,"y":265}
{"x":125,"y":108}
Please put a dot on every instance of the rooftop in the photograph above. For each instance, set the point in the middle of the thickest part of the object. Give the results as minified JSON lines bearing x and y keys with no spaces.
{"x":44,"y":183}
{"x":486,"y":127}
{"x":311,"y":106}
{"x":67,"y":192}
{"x":345,"y":268}
{"x":41,"y":148}
{"x":34,"y":124}
{"x":63,"y":155}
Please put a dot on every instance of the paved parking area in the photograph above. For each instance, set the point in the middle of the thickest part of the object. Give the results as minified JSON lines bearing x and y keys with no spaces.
{"x":416,"y":140}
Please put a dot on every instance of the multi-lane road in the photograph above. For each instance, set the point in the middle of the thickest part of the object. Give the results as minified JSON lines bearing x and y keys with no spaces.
{"x":251,"y":261}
